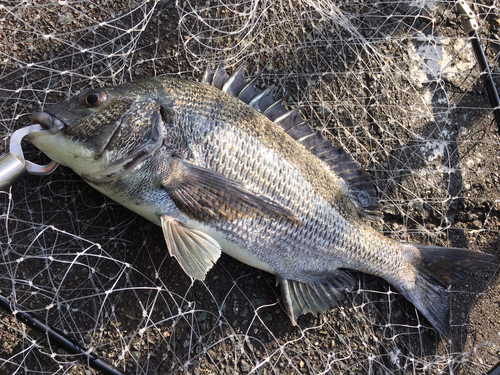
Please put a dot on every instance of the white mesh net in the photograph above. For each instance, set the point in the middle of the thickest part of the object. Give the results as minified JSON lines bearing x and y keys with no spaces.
{"x":396,"y":83}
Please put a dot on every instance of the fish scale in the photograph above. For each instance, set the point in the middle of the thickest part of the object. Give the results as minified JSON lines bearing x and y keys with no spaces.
{"x":314,"y":225}
{"x":203,"y":161}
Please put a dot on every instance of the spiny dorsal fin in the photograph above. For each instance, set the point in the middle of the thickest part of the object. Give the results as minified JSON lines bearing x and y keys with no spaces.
{"x":341,"y":163}
{"x":276,"y":110}
{"x":207,"y":77}
{"x":235,"y":83}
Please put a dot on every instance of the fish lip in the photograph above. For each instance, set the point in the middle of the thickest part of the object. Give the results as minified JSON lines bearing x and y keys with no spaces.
{"x":47,"y":121}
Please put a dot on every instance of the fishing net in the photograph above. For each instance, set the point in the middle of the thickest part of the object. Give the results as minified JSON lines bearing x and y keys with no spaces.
{"x":395,"y":83}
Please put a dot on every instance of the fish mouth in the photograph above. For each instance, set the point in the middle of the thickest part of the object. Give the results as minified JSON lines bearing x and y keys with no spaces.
{"x":47,"y":121}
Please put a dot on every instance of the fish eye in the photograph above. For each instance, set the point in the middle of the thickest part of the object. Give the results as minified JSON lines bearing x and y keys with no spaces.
{"x":94,"y":98}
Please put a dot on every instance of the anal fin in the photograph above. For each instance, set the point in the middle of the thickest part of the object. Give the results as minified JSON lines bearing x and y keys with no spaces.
{"x":195,"y":251}
{"x":302,"y":298}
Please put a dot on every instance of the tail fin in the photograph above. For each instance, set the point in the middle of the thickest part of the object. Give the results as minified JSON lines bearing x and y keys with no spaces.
{"x":438,"y":268}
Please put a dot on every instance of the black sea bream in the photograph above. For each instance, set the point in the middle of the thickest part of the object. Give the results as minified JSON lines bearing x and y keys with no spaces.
{"x":220,"y":165}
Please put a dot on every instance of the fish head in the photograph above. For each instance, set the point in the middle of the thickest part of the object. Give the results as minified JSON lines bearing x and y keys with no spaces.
{"x":102,"y":133}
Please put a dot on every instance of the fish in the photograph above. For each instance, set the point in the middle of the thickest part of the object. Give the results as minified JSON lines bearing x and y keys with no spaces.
{"x":222,"y":166}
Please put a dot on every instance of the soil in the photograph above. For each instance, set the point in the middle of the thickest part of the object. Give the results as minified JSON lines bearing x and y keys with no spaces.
{"x":101,"y":274}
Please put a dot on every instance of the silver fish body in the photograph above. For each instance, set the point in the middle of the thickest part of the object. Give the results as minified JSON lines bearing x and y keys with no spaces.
{"x":217,"y":174}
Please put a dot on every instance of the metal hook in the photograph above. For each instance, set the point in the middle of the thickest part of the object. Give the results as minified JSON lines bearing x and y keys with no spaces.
{"x":13,"y":165}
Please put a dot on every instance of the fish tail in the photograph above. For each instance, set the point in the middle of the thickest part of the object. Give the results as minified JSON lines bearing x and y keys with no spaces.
{"x":436,"y":269}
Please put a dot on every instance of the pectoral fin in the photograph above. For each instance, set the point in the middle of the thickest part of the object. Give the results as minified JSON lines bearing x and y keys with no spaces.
{"x":195,"y":251}
{"x":205,"y":195}
{"x":301,"y":298}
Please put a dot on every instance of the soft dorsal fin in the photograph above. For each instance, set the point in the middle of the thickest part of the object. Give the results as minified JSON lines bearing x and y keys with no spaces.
{"x":340,"y":162}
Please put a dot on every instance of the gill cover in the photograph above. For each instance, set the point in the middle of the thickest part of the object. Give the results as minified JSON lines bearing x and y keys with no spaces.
{"x":137,"y":136}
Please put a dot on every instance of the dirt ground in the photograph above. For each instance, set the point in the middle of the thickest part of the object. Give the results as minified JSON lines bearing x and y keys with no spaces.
{"x":111,"y":286}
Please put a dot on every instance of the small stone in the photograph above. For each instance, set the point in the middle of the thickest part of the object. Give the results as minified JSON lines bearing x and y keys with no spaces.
{"x":268,"y":317}
{"x":418,"y":205}
{"x":397,"y":313}
{"x":477,"y":224}
{"x":201,"y":317}
{"x":244,"y":366}
{"x":65,"y":19}
{"x":244,"y":312}
{"x":391,"y":210}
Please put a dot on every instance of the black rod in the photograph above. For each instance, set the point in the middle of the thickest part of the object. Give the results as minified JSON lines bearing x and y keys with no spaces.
{"x":57,"y":337}
{"x":470,"y":26}
{"x":487,"y":77}
{"x":495,"y":370}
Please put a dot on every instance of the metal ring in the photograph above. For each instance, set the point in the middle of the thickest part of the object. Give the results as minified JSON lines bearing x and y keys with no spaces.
{"x":17,"y":151}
